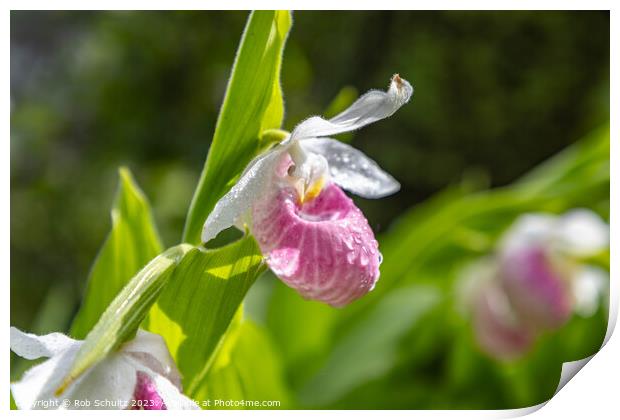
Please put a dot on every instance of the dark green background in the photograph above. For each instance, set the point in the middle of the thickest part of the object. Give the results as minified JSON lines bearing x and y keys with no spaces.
{"x":495,"y":94}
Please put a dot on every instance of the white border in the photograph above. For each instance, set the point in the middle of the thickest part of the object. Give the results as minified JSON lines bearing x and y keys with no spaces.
{"x":315,"y":5}
{"x":594,"y":391}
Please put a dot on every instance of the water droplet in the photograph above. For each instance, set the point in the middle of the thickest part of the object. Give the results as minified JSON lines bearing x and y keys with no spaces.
{"x":351,"y":257}
{"x":364,"y":260}
{"x":380,"y":258}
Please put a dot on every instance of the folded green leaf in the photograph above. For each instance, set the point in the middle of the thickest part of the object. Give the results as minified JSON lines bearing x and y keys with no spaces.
{"x":121,"y":319}
{"x":132,"y":242}
{"x":195,"y":310}
{"x":252,"y":104}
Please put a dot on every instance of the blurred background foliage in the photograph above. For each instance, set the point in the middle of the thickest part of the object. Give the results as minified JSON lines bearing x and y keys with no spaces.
{"x":497,"y":93}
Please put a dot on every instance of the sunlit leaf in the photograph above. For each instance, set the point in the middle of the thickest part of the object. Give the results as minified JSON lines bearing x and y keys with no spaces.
{"x":133,"y":241}
{"x":195,"y":310}
{"x":252,"y":104}
{"x":246,"y":368}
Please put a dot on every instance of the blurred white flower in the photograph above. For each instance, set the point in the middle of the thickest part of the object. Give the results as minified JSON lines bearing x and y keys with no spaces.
{"x":536,"y":280}
{"x":541,"y":268}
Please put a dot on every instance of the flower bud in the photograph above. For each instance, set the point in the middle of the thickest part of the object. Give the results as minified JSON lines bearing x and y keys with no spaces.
{"x":536,"y":289}
{"x":499,"y":332}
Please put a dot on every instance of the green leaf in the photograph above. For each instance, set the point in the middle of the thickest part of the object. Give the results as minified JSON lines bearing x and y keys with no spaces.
{"x":301,"y":348}
{"x":246,"y":368}
{"x":132,"y":242}
{"x":252,"y":104}
{"x":195,"y":310}
{"x":369,"y":350}
{"x":121,"y":319}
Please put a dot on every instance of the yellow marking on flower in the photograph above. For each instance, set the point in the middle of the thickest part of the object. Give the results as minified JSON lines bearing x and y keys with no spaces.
{"x":313,"y":191}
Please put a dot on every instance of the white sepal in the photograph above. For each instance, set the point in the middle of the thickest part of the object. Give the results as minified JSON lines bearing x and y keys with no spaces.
{"x":530,"y":229}
{"x":373,"y":106}
{"x":351,"y":169}
{"x":240,"y":199}
{"x":31,"y":346}
{"x":582,"y":233}
{"x":589,"y":284}
{"x":35,"y":390}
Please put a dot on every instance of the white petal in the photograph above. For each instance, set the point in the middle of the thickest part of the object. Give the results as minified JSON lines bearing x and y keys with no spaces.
{"x":582,"y":233}
{"x":112,"y":380}
{"x":36,"y":388}
{"x":31,"y":346}
{"x":242,"y":195}
{"x":372,"y":106}
{"x":150,"y":349}
{"x":589,"y":284}
{"x":352,"y":169}
{"x":529,"y":229}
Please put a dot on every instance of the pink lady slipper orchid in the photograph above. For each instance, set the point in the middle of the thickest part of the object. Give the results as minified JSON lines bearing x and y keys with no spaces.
{"x":536,"y":281}
{"x":140,"y":375}
{"x":541,"y":270}
{"x":313,"y":236}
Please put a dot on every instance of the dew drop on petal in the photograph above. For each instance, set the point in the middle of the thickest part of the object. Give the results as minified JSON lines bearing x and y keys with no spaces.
{"x":364,"y":259}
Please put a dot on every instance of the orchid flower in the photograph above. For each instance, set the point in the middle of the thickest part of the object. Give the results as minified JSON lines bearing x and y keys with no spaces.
{"x":536,"y":281}
{"x":313,"y":236}
{"x":140,"y":375}
{"x":541,"y":270}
